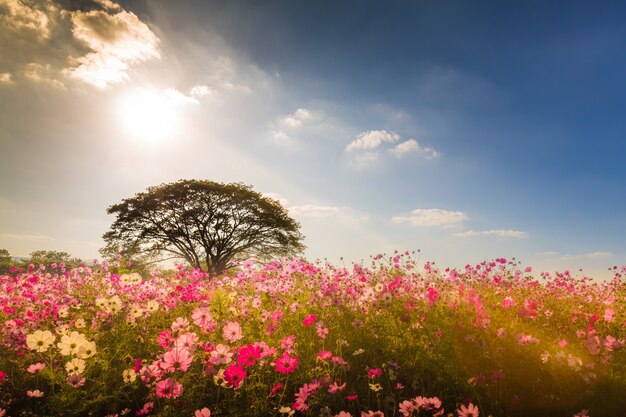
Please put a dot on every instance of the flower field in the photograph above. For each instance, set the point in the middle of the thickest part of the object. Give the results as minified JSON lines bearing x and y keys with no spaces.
{"x":392,"y":338}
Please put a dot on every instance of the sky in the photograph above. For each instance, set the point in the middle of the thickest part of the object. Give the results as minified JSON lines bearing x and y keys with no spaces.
{"x":466,"y":130}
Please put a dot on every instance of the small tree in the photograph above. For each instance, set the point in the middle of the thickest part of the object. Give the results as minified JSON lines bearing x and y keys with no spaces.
{"x":5,"y":261}
{"x":206,"y":223}
{"x":49,"y":257}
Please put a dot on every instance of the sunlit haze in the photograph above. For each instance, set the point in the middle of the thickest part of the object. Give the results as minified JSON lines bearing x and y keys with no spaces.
{"x":465,"y":131}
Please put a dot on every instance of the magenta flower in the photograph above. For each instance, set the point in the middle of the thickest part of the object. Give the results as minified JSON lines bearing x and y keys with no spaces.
{"x":248,"y":355}
{"x":234,"y":375}
{"x":309,"y":320}
{"x":286,"y":364}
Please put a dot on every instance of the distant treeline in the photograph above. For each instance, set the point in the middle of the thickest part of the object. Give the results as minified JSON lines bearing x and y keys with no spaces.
{"x":48,"y":258}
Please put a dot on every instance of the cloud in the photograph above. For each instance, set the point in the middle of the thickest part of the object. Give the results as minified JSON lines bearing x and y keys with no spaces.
{"x":517,"y":234}
{"x":96,"y":42}
{"x":281,"y":130}
{"x":588,"y":255}
{"x":116,"y":41}
{"x":364,"y":159}
{"x":6,"y":78}
{"x":199,"y":91}
{"x":275,"y":196}
{"x":280,"y":137}
{"x":297,"y":118}
{"x":23,"y":18}
{"x":432,"y":217}
{"x":14,"y":236}
{"x":411,"y":146}
{"x":371,"y":140}
{"x":42,"y":74}
{"x":325,"y":212}
{"x":178,"y":98}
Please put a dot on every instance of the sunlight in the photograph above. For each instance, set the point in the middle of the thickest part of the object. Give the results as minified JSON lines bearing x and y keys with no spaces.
{"x":148,"y":115}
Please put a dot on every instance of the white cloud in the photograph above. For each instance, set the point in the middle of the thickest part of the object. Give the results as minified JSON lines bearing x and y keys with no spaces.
{"x":588,"y":255}
{"x":411,"y":146}
{"x":364,"y":159}
{"x":432,"y":217}
{"x":279,"y":137}
{"x":518,"y":234}
{"x":6,"y":78}
{"x":325,"y":212}
{"x":15,"y":236}
{"x":297,"y":118}
{"x":275,"y":196}
{"x":176,"y":97}
{"x":201,"y":91}
{"x":371,"y":140}
{"x":116,"y":40}
{"x":310,"y":210}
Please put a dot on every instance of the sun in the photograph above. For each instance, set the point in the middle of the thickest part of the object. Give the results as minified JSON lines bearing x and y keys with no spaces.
{"x":148,"y":116}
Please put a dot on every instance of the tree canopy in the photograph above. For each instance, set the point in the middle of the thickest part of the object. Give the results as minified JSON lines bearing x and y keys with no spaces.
{"x":206,"y":223}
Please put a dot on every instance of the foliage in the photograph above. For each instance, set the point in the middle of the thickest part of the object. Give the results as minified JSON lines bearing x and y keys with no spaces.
{"x":38,"y":258}
{"x":5,"y":261}
{"x":297,"y":338}
{"x":208,"y":224}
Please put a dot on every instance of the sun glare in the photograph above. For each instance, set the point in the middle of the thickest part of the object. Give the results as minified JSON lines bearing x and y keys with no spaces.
{"x":148,"y":116}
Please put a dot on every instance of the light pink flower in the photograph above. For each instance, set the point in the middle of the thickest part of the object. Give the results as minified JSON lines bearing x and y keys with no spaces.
{"x":176,"y":360}
{"x":181,"y":323}
{"x":232,"y":332}
{"x":34,"y":394}
{"x":470,"y":411}
{"x":36,"y":367}
{"x":205,"y":412}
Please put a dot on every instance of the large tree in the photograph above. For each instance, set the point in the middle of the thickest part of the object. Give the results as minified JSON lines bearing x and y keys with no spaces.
{"x":208,"y":224}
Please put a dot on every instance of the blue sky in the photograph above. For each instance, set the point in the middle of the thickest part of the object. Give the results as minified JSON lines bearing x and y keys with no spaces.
{"x":468,"y":131}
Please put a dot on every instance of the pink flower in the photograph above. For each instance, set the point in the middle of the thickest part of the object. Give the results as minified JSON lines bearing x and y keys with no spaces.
{"x":232,"y":332}
{"x":36,"y":367}
{"x":221,"y":355}
{"x":181,"y":323}
{"x":186,"y":341}
{"x":286,"y":364}
{"x":205,"y":412}
{"x":334,"y":388}
{"x":322,"y":331}
{"x":406,"y":408}
{"x":343,"y":414}
{"x":276,"y":388}
{"x":372,"y":414}
{"x":374,"y":373}
{"x":75,"y":380}
{"x":324,"y":355}
{"x":202,"y":317}
{"x":248,"y":355}
{"x":34,"y":394}
{"x":168,"y":388}
{"x":176,"y":360}
{"x":470,"y":411}
{"x":287,"y":342}
{"x":146,"y":409}
{"x":309,"y":320}
{"x":234,"y":375}
{"x":165,"y":339}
